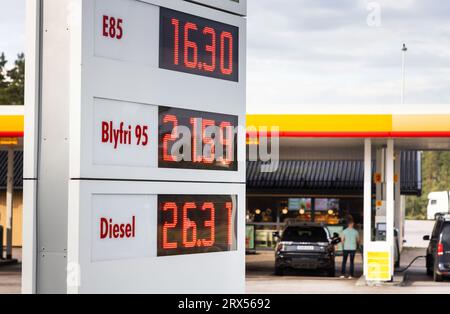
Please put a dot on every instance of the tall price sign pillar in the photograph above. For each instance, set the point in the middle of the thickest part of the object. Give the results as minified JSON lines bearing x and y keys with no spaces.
{"x":135,"y":146}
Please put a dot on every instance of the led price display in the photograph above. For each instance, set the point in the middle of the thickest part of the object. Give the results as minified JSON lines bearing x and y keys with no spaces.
{"x":197,"y":140}
{"x":196,"y":45}
{"x":195,"y":224}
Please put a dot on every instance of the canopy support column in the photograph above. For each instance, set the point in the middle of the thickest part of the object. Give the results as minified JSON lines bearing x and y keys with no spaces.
{"x":378,"y":253}
{"x":399,"y":204}
{"x":367,"y":199}
{"x":390,"y":202}
{"x":9,"y":203}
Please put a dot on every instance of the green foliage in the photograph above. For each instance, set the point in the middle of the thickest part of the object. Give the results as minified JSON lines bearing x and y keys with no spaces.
{"x":12,"y":82}
{"x":3,"y":62}
{"x":435,"y":177}
{"x":3,"y":79}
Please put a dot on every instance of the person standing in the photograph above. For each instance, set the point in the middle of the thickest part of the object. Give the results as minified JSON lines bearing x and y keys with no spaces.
{"x":350,"y":242}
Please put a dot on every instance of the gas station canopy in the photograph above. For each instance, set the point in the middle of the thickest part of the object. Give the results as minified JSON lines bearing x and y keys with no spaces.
{"x":11,"y":127}
{"x":411,"y":131}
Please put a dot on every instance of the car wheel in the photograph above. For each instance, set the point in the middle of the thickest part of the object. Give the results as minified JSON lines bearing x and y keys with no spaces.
{"x":437,"y":278}
{"x":430,"y":271}
{"x":331,"y":272}
{"x":279,"y":271}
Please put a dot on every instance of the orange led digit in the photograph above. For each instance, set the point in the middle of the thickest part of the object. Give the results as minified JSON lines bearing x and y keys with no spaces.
{"x":170,"y":225}
{"x":229,"y":207}
{"x":208,"y":141}
{"x":197,"y":152}
{"x":190,"y":46}
{"x":207,"y":224}
{"x":226,"y":139}
{"x":226,"y":37}
{"x":210,"y":224}
{"x":189,"y":225}
{"x":211,"y":49}
{"x":176,"y":43}
{"x":170,"y":137}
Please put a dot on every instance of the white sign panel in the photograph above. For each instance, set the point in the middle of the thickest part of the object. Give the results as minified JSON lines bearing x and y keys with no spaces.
{"x":122,"y":226}
{"x":122,"y":31}
{"x":125,"y":133}
{"x":135,"y":237}
{"x":234,"y":6}
{"x":141,"y":56}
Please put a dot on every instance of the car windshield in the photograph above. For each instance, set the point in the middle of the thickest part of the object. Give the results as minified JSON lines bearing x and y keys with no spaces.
{"x":305,"y":234}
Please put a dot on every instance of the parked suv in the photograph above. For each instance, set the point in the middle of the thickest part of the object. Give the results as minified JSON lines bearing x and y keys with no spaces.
{"x":305,"y":246}
{"x":438,"y":252}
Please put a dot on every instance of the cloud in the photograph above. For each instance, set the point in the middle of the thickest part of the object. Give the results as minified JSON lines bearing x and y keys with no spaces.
{"x":321,"y":52}
{"x":306,"y":52}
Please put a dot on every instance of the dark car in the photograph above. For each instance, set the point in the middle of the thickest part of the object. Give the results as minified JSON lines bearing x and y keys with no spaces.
{"x":438,"y":252}
{"x":306,"y":246}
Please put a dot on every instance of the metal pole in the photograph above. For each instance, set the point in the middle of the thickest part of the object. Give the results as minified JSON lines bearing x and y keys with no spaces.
{"x":9,"y":203}
{"x":390,"y":197}
{"x":367,"y":200}
{"x":398,"y":222}
{"x":404,"y":50}
{"x":33,"y":27}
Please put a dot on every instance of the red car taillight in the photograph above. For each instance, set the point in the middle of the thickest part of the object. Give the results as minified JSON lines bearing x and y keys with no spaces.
{"x":440,"y":250}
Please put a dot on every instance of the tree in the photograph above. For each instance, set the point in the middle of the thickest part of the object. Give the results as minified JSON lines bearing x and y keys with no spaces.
{"x":3,"y":62}
{"x":3,"y":79}
{"x":12,"y":82}
{"x":16,"y":88}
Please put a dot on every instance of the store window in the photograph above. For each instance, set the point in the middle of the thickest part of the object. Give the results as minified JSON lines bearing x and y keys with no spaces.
{"x":264,"y":214}
{"x":326,"y":210}
{"x":270,"y":214}
{"x":298,"y":209}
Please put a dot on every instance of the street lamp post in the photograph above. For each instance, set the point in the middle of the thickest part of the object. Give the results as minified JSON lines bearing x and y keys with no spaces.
{"x":404,"y":50}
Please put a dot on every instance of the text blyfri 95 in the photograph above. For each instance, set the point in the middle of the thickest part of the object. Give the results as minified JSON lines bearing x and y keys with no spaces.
{"x":123,"y":134}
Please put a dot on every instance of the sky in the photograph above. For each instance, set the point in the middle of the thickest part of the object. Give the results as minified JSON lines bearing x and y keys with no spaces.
{"x":12,"y":28}
{"x":308,"y":52}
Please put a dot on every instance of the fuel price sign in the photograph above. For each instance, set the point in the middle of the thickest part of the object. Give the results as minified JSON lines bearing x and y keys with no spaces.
{"x":199,"y":46}
{"x":193,"y":224}
{"x":191,"y":139}
{"x":148,"y":168}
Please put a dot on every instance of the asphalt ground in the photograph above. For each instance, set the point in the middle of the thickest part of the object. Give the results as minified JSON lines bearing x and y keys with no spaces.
{"x":262,"y":280}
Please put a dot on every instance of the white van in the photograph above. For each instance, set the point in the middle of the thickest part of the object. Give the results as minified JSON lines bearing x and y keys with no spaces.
{"x":438,"y":203}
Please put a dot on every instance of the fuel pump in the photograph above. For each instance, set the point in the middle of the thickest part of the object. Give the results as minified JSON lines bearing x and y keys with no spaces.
{"x":380,"y":221}
{"x":381,"y":232}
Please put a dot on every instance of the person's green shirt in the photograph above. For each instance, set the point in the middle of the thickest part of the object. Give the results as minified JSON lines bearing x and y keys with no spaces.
{"x":351,"y":238}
